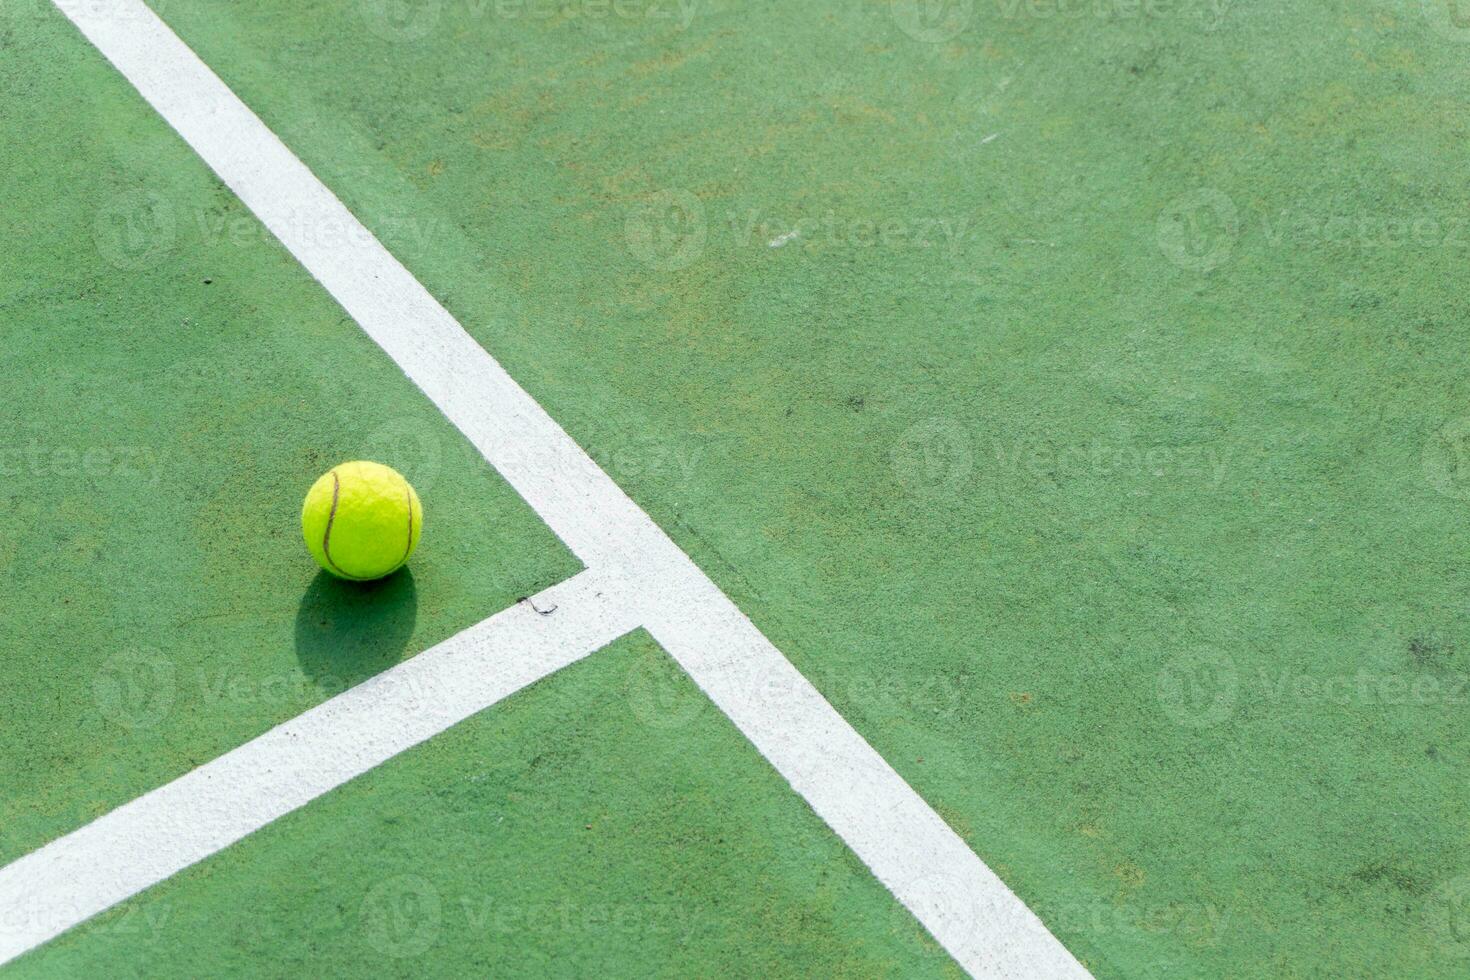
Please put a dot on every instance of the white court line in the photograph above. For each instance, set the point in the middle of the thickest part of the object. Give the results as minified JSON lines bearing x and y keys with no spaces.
{"x":163,"y":832}
{"x":970,"y":911}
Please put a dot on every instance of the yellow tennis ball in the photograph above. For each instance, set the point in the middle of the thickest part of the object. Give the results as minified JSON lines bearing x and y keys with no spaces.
{"x":362,"y":521}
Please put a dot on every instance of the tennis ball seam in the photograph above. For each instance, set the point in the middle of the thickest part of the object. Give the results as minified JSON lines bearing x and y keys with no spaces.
{"x":327,"y":535}
{"x":332,"y":516}
{"x":408,"y":544}
{"x":346,"y":502}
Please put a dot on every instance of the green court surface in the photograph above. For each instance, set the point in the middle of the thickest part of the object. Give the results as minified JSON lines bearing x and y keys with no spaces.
{"x":1075,"y":394}
{"x":563,"y":833}
{"x":170,"y":395}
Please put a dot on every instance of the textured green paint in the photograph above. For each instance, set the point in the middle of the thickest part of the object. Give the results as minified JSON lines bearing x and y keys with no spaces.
{"x":1000,"y":497}
{"x":563,"y":833}
{"x":168,"y":399}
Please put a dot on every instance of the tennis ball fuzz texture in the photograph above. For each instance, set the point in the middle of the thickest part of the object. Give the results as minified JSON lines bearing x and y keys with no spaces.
{"x":361,"y":521}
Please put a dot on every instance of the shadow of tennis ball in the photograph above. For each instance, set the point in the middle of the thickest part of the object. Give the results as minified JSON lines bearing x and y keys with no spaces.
{"x":348,"y":631}
{"x":402,"y":916}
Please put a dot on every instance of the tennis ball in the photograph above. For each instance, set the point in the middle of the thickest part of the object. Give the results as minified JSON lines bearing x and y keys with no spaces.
{"x":361,"y":521}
